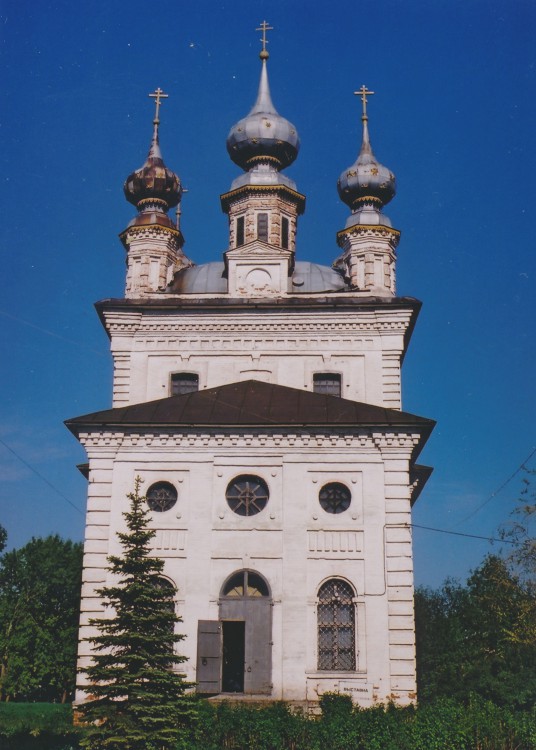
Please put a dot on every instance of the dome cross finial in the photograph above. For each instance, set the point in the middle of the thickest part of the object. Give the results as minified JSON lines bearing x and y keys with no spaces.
{"x":157,"y":95}
{"x":264,"y":27}
{"x":363,"y":93}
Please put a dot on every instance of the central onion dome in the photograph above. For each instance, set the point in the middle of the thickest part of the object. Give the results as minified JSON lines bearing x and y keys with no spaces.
{"x":153,"y":188}
{"x":263,"y":136}
{"x":367,"y":185}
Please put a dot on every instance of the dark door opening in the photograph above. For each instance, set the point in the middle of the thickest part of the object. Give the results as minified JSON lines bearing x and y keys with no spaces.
{"x":234,"y":642}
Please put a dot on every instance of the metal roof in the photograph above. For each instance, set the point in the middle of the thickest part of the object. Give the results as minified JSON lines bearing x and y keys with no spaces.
{"x":252,"y":403}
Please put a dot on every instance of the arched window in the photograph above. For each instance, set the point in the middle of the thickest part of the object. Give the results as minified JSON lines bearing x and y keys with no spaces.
{"x":245,"y":583}
{"x":336,"y":626}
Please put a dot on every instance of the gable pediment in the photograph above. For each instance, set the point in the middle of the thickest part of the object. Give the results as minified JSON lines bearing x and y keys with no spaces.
{"x":258,"y":249}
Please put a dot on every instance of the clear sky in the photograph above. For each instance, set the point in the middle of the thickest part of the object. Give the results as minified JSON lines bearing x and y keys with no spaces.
{"x":453,"y":116}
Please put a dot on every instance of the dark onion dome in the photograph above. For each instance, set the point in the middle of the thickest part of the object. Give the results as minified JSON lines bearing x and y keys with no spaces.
{"x":263,"y":135}
{"x":153,"y":183}
{"x":366,"y":181}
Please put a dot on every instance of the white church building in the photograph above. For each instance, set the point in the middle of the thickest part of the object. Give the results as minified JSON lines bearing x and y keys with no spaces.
{"x":259,"y":399}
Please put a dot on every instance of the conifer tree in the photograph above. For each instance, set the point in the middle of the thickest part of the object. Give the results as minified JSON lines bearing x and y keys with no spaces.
{"x":137,"y":701}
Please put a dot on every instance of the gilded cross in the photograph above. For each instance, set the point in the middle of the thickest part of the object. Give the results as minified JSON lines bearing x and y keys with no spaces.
{"x":157,"y":96}
{"x":264,"y":27}
{"x":363,"y":93}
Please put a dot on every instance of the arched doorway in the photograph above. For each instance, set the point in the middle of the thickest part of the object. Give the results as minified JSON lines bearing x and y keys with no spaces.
{"x":246,"y":619}
{"x":234,"y":653}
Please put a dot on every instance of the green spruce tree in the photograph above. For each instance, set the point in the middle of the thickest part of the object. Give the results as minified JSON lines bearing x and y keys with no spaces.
{"x":137,"y":701}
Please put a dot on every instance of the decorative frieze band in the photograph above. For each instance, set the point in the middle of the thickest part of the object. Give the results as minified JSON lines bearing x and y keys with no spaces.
{"x":341,"y":440}
{"x":255,"y":328}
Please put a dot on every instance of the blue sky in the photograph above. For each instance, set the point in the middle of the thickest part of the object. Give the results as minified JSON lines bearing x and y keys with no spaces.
{"x":453,"y":116}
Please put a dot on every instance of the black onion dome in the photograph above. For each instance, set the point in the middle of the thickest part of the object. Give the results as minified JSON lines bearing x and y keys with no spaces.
{"x":263,"y":134}
{"x":366,"y":178}
{"x":153,"y":181}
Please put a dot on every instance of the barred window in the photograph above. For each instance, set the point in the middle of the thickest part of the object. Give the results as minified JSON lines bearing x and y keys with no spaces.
{"x":328,"y":383}
{"x":336,"y":626}
{"x":184,"y":382}
{"x":335,"y":497}
{"x":161,"y":496}
{"x":247,"y":495}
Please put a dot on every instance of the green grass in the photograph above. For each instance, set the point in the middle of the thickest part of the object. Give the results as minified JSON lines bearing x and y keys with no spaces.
{"x":37,"y":726}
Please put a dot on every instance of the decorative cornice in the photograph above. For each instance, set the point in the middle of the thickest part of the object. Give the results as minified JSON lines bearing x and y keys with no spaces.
{"x":148,"y":230}
{"x":297,"y":198}
{"x":369,"y":230}
{"x":352,"y":439}
{"x":253,"y":329}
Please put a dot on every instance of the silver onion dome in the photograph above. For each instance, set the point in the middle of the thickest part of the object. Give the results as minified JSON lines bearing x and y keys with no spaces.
{"x":263,"y":135}
{"x":367,"y":185}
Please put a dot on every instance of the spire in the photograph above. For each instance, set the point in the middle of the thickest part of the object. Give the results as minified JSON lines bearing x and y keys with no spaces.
{"x":154,"y":151}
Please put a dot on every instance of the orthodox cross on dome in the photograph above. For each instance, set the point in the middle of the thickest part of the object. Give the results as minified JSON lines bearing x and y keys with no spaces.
{"x":157,"y":95}
{"x":264,"y":27}
{"x":363,"y":93}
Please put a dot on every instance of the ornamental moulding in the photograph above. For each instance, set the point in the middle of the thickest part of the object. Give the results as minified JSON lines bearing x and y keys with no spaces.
{"x":361,"y":438}
{"x":370,"y":230}
{"x":151,"y":231}
{"x":253,"y":329}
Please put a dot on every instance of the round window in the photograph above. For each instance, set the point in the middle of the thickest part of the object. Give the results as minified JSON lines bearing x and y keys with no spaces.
{"x":335,"y":497}
{"x":247,"y":495}
{"x":161,"y":496}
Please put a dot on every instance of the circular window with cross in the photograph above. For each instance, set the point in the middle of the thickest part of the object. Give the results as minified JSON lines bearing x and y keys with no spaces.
{"x":161,"y":496}
{"x":247,"y":495}
{"x":335,"y":497}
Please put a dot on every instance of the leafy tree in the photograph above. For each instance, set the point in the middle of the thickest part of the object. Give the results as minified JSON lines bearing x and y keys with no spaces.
{"x":478,"y":638}
{"x":3,"y":538}
{"x":521,"y":531}
{"x":39,"y":611}
{"x":137,"y":700}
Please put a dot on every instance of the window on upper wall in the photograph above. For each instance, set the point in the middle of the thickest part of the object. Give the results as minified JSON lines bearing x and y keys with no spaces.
{"x":240,"y":231}
{"x":262,"y":227}
{"x":184,"y":382}
{"x":336,"y":626}
{"x":284,"y":233}
{"x":328,"y":383}
{"x":161,"y":496}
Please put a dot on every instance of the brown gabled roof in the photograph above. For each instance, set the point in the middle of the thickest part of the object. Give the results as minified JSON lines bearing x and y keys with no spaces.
{"x":251,"y":403}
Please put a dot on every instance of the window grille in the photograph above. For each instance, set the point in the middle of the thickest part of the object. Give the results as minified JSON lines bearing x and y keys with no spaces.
{"x":335,"y":497}
{"x":184,"y":382}
{"x":161,"y":496}
{"x":247,"y":495}
{"x":262,"y":227}
{"x":336,"y":627}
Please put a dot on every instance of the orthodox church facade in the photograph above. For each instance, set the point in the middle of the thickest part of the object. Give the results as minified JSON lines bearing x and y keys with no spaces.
{"x":259,"y":400}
